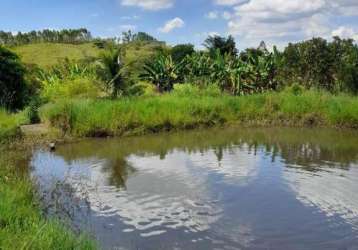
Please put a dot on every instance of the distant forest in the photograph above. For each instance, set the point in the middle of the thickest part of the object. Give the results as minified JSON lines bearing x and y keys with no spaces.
{"x":73,"y":36}
{"x":70,"y":36}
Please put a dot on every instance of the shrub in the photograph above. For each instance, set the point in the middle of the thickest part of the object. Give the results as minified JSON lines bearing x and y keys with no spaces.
{"x":33,"y":110}
{"x":81,"y":87}
{"x":13,"y":88}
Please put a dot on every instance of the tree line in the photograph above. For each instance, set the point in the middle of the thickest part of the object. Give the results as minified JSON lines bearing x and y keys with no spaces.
{"x":71,"y":36}
{"x":315,"y":63}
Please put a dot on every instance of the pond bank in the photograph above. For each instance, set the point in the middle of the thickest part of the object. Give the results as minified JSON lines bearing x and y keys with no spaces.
{"x":194,"y":189}
{"x":22,"y":222}
{"x":179,"y":111}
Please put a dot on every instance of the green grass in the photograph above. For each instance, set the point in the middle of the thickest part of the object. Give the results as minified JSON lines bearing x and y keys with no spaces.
{"x":22,"y":226}
{"x":184,"y":109}
{"x":9,"y":124}
{"x":48,"y":54}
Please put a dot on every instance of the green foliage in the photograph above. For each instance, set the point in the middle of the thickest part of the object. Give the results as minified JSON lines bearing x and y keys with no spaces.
{"x":73,"y":36}
{"x":9,"y":125}
{"x":317,"y":63}
{"x":262,"y":71}
{"x":345,"y":66}
{"x":162,"y":72}
{"x":115,"y":74}
{"x":295,"y":89}
{"x":33,"y":110}
{"x":13,"y":88}
{"x":237,"y":75}
{"x":185,"y":90}
{"x":197,"y":68}
{"x":187,"y":108}
{"x":181,"y":51}
{"x":309,"y":63}
{"x":69,"y":79}
{"x":137,"y":54}
{"x":224,"y":45}
{"x":128,"y":37}
{"x":111,"y":65}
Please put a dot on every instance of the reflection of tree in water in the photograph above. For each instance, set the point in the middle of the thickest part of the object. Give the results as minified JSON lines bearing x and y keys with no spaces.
{"x":118,"y":170}
{"x":309,"y":156}
{"x":219,"y":152}
{"x":308,"y":148}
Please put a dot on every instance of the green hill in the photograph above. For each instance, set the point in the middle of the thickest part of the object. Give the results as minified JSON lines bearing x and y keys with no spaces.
{"x":48,"y":54}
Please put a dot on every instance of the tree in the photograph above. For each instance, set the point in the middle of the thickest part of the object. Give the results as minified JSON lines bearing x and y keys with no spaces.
{"x":309,"y":63}
{"x":345,"y":64}
{"x":112,"y":70}
{"x":74,"y":36}
{"x":144,"y":37}
{"x":127,"y":36}
{"x":13,"y":88}
{"x":180,"y":51}
{"x":223,"y":44}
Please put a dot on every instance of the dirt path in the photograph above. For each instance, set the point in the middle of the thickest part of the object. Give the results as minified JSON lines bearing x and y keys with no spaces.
{"x":36,"y":129}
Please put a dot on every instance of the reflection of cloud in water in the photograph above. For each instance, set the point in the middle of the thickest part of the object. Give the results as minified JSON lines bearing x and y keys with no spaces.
{"x":237,"y":166}
{"x":172,"y":191}
{"x":162,"y":194}
{"x":333,"y":191}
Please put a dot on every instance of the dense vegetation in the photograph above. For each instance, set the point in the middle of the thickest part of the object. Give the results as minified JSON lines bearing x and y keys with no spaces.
{"x":143,"y":66}
{"x":86,"y":86}
{"x":72,"y":36}
{"x":13,"y":88}
{"x":189,"y":107}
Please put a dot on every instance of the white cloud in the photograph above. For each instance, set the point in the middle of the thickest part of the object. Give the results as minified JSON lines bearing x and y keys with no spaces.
{"x":212,"y":15}
{"x":345,"y":32}
{"x":217,"y":14}
{"x":149,"y":4}
{"x":282,"y":21}
{"x":282,"y":6}
{"x":226,"y":15}
{"x":134,"y":17}
{"x":344,"y":7}
{"x":172,"y":24}
{"x":229,"y":2}
{"x":127,"y":27}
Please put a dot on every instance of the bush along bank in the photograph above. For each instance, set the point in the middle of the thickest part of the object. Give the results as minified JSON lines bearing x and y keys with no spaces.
{"x":187,"y":108}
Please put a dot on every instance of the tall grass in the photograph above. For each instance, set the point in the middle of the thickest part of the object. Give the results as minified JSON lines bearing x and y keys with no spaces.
{"x":22,"y":226}
{"x":9,"y":124}
{"x":188,"y":108}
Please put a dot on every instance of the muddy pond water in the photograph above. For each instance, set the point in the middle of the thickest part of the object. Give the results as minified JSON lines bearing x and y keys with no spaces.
{"x":223,"y":188}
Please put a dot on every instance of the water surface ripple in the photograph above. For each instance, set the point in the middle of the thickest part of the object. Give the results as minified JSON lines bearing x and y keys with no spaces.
{"x":232,"y":188}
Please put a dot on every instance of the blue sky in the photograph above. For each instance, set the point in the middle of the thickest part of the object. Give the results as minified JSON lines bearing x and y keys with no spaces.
{"x":190,"y":21}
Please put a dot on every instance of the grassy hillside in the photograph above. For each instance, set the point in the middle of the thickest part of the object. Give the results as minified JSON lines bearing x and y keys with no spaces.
{"x":48,"y":54}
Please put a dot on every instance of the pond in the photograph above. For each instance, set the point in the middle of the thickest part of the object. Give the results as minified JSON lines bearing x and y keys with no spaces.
{"x":222,"y":188}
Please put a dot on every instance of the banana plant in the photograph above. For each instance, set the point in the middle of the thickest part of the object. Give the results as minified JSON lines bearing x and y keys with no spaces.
{"x":197,"y":68}
{"x":163,"y":72}
{"x":262,"y":71}
{"x":229,"y":73}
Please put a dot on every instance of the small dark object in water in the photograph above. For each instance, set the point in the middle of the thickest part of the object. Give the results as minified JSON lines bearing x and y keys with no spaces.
{"x":52,"y":146}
